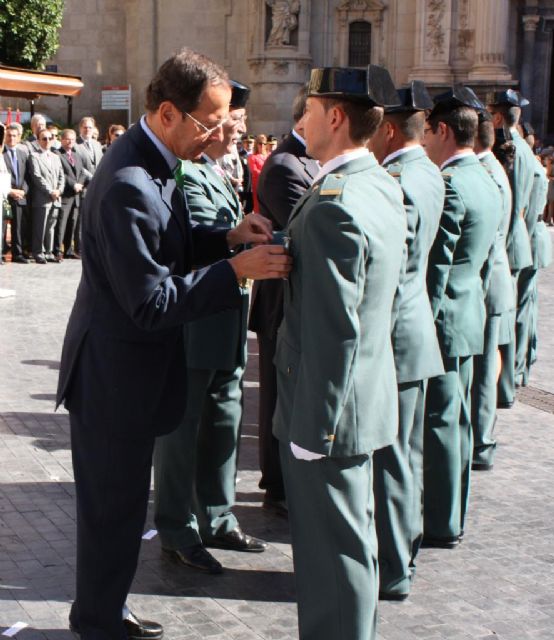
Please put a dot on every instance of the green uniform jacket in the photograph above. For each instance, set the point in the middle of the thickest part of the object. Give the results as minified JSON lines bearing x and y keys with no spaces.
{"x":416,"y":349}
{"x":537,"y":203}
{"x":217,"y":341}
{"x":336,"y":381}
{"x":462,"y":247}
{"x":500,"y":290}
{"x":518,"y":245}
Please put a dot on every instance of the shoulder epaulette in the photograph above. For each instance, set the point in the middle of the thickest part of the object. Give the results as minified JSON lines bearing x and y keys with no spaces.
{"x":332,"y":185}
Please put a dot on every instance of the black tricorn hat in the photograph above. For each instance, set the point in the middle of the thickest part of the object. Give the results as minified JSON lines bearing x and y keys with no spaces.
{"x":507,"y":97}
{"x":414,"y":97}
{"x":484,"y":116}
{"x":372,"y":86}
{"x":240,"y":94}
{"x":458,"y":96}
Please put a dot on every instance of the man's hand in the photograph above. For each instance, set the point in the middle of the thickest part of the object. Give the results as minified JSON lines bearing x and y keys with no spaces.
{"x":254,"y":229}
{"x":78,"y":187}
{"x":262,"y":263}
{"x":55,"y":194}
{"x":17,"y":194}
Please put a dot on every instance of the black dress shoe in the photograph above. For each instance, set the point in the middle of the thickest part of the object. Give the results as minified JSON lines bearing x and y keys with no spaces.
{"x":236,"y":540}
{"x":481,"y":466}
{"x":136,"y":628}
{"x":197,"y":557}
{"x":440,"y":543}
{"x":21,"y":260}
{"x":505,"y":405}
{"x":393,"y":597}
{"x":40,"y":260}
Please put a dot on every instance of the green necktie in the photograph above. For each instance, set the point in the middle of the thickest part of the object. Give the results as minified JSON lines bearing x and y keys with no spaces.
{"x":179,"y":173}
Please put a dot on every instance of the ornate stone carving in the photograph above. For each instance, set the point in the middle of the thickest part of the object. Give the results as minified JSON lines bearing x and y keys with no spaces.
{"x":435,"y":29}
{"x":362,"y":5}
{"x":530,"y":23}
{"x":284,"y":20}
{"x":465,"y":34}
{"x":281,"y":67}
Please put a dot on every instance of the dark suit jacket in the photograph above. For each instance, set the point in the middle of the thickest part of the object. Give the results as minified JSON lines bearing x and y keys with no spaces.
{"x":74,"y":174}
{"x":91,"y":159}
{"x":123,"y":364}
{"x":285,"y":176}
{"x":22,"y":173}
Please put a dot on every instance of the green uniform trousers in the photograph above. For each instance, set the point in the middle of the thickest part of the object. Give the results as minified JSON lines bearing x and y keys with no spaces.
{"x":533,"y":338}
{"x":195,"y":466}
{"x":526,"y":287}
{"x":506,"y":382}
{"x":484,"y":394}
{"x":334,"y":545}
{"x":447,"y":449}
{"x":398,"y":490}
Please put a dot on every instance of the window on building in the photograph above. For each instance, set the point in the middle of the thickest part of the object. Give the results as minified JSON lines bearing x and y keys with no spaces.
{"x":359,"y":44}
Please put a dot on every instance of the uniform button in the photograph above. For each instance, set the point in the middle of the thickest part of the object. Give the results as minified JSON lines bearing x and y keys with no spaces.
{"x":289,"y":370}
{"x":331,"y":438}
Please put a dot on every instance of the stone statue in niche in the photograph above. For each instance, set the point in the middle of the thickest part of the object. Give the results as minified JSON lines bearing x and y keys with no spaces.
{"x":284,"y":20}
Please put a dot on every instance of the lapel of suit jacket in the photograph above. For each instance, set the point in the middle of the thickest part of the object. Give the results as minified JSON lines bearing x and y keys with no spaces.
{"x":222,"y":186}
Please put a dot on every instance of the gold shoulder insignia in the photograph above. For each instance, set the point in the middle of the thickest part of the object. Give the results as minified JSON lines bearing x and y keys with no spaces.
{"x":330,"y":192}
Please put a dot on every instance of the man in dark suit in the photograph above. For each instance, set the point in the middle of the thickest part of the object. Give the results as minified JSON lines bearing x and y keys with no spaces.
{"x":123,"y":369}
{"x":87,"y":147}
{"x":15,"y":157}
{"x":76,"y":179}
{"x":285,"y":176}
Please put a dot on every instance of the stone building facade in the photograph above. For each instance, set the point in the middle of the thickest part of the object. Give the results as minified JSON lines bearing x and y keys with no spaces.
{"x":272,"y":44}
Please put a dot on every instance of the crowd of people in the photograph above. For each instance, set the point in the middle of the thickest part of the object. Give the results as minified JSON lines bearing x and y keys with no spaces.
{"x":44,"y":180}
{"x":394,"y":244}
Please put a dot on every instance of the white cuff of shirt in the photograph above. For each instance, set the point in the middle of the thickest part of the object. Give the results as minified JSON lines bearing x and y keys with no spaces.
{"x":303,"y":454}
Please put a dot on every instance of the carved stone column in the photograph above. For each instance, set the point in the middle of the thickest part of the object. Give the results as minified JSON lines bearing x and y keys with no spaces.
{"x":491,"y":40}
{"x":432,"y":52}
{"x":530,"y":24}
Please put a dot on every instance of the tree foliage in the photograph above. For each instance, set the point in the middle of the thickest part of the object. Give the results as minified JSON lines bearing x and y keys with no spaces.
{"x":29,"y":31}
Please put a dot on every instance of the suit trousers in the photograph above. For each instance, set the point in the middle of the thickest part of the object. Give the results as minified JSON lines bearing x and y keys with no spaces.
{"x":270,"y":462}
{"x":65,"y":226}
{"x":112,"y":483}
{"x":18,"y":222}
{"x":447,"y":447}
{"x":398,"y":490}
{"x":533,"y":338}
{"x":44,"y":223}
{"x":195,"y":466}
{"x":484,"y":394}
{"x":334,"y":545}
{"x":507,"y":381}
{"x":524,"y":320}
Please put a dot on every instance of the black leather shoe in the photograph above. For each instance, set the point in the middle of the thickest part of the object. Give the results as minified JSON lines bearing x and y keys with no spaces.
{"x":21,"y":260}
{"x":439,"y":543}
{"x":481,"y":466}
{"x":136,"y":628}
{"x":505,"y":405}
{"x":197,"y":557}
{"x":393,"y":597}
{"x":236,"y":540}
{"x":40,"y":260}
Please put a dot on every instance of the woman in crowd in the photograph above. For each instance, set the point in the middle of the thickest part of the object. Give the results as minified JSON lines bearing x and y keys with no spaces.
{"x":114,"y":131}
{"x":255,"y":163}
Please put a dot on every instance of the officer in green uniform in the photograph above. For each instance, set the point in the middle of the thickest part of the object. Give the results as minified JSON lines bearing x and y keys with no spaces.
{"x":195,"y":466}
{"x":347,"y":235}
{"x":505,"y":107}
{"x":500,"y":304}
{"x":398,"y":469}
{"x":462,"y":248}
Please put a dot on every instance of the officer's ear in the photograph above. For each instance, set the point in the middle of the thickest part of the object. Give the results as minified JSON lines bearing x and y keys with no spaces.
{"x":168,"y":114}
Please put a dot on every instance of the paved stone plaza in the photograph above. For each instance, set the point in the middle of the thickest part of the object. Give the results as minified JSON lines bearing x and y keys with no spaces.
{"x":498,"y":584}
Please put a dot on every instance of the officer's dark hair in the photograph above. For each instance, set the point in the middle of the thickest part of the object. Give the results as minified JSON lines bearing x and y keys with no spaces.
{"x":411,"y":124}
{"x":510,"y":113}
{"x":462,"y":120}
{"x":182,"y":80}
{"x":363,"y":121}
{"x":485,"y":134}
{"x":299,"y":103}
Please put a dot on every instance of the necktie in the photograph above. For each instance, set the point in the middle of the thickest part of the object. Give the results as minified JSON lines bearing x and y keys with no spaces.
{"x":179,"y":173}
{"x":70,"y":158}
{"x":14,"y":166}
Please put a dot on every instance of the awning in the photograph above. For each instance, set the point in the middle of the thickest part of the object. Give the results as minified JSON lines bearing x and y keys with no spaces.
{"x":24,"y":83}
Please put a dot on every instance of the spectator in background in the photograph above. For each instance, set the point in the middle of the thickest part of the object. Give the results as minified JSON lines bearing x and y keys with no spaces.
{"x":245,"y":148}
{"x":549,"y":163}
{"x":75,"y":181}
{"x":55,"y":131}
{"x":47,"y":184}
{"x":4,"y":190}
{"x":114,"y":132}
{"x":255,"y":163}
{"x":271,"y":144}
{"x":87,"y":147}
{"x":38,"y":121}
{"x":15,"y":156}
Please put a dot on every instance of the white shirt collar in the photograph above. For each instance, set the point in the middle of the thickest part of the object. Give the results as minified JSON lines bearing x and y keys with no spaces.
{"x":300,"y":139}
{"x":208,"y":160}
{"x":338,"y":161}
{"x":168,"y":155}
{"x":400,"y":152}
{"x":483,"y":154}
{"x":456,"y":156}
